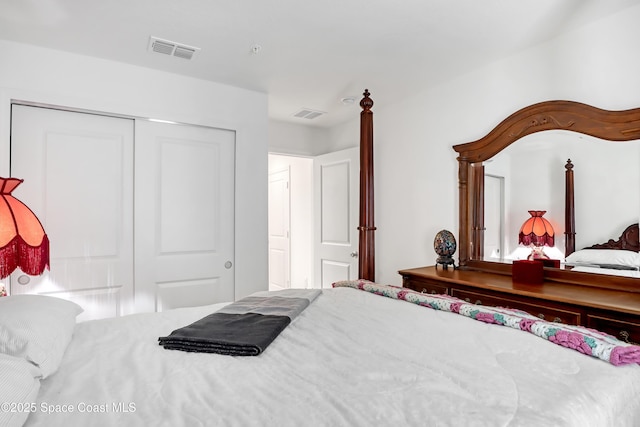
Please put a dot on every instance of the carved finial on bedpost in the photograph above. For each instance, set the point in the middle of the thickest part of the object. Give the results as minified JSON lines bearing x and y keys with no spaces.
{"x":569,"y":165}
{"x":366,"y":103}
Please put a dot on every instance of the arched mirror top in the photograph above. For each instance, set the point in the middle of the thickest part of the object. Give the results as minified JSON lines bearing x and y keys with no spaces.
{"x":608,"y":125}
{"x":553,"y":115}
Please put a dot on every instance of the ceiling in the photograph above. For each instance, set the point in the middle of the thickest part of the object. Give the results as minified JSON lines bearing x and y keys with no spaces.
{"x":304,"y":54}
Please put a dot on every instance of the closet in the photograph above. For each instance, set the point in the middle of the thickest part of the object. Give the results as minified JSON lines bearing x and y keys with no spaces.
{"x":140,"y":214}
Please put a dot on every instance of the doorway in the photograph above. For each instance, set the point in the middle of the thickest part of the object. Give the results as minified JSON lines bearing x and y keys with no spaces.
{"x":494,"y":217}
{"x":319,"y":197}
{"x":290,"y":221}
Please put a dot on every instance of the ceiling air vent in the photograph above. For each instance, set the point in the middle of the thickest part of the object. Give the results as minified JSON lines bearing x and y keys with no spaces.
{"x":307,"y":113}
{"x":166,"y":47}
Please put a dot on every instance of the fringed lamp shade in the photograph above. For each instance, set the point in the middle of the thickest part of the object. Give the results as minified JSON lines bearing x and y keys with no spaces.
{"x":23,"y":242}
{"x":536,"y":231}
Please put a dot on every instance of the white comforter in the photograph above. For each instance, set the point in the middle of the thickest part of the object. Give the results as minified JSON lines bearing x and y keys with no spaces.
{"x":609,"y":271}
{"x":350,"y":359}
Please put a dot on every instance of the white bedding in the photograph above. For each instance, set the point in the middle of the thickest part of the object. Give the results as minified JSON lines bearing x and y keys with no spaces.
{"x":350,"y":359}
{"x":609,"y":271}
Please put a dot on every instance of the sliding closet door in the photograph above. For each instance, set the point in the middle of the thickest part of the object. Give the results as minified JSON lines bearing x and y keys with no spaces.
{"x":77,"y":170}
{"x":184,"y":215}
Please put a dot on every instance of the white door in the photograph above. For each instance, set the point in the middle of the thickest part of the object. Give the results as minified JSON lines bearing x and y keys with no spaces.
{"x":336,"y":188}
{"x":493,"y":216}
{"x":184,"y":216}
{"x":77,"y":170}
{"x":279,"y":227}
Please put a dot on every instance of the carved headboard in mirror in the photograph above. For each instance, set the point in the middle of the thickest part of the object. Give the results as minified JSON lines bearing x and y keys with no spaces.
{"x":550,"y":115}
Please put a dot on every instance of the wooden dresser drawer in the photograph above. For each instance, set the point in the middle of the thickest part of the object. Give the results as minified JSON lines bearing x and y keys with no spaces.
{"x":628,"y":331}
{"x":424,"y":286}
{"x":614,"y":311}
{"x":539,"y":309}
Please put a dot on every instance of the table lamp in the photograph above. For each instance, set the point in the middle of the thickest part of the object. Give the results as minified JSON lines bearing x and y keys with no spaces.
{"x":536,"y":232}
{"x":23,"y":241}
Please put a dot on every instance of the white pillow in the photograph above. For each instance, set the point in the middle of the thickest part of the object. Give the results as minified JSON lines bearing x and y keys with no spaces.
{"x":19,"y":385}
{"x":37,"y":328}
{"x":605,"y":257}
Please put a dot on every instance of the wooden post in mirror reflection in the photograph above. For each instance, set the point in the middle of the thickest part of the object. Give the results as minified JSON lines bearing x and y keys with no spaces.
{"x":569,"y":217}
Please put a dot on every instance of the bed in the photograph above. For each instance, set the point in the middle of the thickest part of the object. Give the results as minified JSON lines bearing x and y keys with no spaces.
{"x":360,"y":354}
{"x":619,"y":257}
{"x":615,"y":257}
{"x":351,"y":358}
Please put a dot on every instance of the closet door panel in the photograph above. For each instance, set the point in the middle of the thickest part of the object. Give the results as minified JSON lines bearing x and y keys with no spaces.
{"x":184,"y":216}
{"x":78,"y":173}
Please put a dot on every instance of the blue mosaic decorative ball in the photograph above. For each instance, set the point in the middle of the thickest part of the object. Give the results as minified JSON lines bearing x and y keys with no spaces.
{"x":445,"y":246}
{"x":445,"y":243}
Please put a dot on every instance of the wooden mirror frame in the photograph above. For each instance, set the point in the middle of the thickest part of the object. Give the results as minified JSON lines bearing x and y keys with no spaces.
{"x":549,"y":115}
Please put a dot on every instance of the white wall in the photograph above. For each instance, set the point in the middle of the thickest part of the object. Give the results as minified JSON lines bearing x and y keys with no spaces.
{"x":297,"y":139}
{"x":301,"y":215}
{"x":53,"y":77}
{"x":416,"y":188}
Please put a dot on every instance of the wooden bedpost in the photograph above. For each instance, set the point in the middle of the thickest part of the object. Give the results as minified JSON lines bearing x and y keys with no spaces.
{"x":569,"y":212}
{"x":366,"y":249}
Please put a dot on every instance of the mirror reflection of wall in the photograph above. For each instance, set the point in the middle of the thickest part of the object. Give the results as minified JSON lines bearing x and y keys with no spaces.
{"x":607,"y":187}
{"x":494,"y":216}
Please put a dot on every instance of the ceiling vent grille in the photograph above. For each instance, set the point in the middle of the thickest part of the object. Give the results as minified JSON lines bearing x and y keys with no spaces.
{"x":166,"y":47}
{"x":309,"y":114}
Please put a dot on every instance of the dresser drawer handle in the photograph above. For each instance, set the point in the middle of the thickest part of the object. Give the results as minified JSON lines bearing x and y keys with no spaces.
{"x":555,"y":319}
{"x":624,"y":335}
{"x":467,"y":300}
{"x":423,"y":291}
{"x":478,"y":302}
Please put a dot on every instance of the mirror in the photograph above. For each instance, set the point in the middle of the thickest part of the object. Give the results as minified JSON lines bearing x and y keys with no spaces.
{"x":606,"y":194}
{"x":573,"y":120}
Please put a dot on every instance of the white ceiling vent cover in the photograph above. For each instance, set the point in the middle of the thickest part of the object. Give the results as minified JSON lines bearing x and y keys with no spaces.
{"x":309,"y":114}
{"x":167,"y":47}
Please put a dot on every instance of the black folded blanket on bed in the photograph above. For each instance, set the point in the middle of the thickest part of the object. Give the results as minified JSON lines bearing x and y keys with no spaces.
{"x":243,"y":328}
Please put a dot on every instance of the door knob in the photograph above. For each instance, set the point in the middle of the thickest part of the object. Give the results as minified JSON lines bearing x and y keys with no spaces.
{"x":228,"y":265}
{"x":354,"y":254}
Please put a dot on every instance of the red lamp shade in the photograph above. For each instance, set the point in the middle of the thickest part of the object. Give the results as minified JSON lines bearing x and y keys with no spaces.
{"x":536,"y":231}
{"x":23,"y":242}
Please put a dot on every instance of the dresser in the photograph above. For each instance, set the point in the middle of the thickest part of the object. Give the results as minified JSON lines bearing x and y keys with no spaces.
{"x":612,"y":311}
